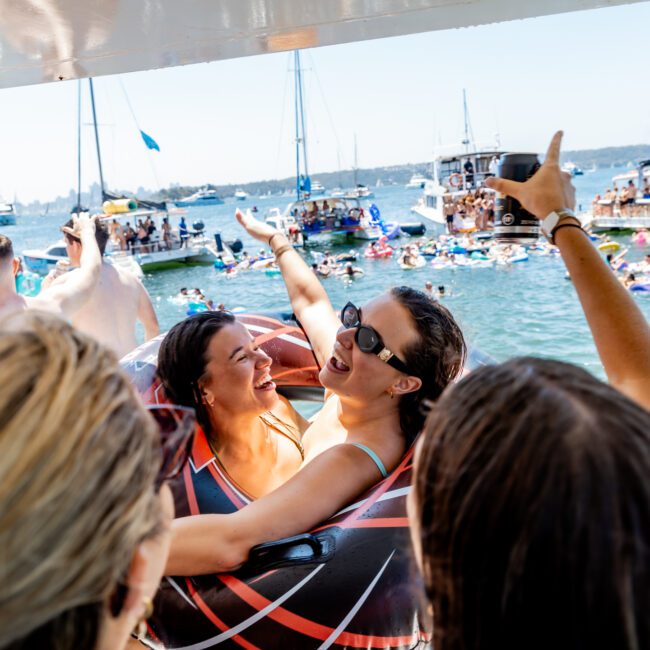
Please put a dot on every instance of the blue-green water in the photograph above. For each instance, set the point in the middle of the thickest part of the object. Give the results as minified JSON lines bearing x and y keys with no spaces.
{"x":527,"y":308}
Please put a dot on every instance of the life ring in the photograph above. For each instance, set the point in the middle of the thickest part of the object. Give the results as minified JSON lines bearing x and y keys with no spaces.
{"x":346,"y":585}
{"x":456,"y":180}
{"x":609,"y":246}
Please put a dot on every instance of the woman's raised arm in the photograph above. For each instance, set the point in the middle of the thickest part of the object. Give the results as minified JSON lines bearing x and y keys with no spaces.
{"x":309,"y":300}
{"x":620,"y":330}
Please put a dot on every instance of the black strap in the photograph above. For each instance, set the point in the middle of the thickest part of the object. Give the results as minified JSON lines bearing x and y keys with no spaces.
{"x":564,"y":225}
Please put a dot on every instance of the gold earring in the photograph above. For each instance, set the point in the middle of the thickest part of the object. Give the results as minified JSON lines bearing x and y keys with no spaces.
{"x":390,"y":392}
{"x":141,"y":628}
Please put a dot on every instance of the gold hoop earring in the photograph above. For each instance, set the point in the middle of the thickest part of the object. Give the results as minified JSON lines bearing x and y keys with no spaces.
{"x":141,"y":627}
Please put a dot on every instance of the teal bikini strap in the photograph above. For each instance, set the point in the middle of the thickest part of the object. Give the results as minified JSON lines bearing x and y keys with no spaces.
{"x":373,"y":456}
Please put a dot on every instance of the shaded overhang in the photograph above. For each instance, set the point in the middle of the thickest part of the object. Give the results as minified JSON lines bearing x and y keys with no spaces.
{"x":50,"y":40}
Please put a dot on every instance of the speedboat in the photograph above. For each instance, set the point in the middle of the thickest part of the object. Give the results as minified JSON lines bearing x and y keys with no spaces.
{"x":41,"y":262}
{"x":240,"y":195}
{"x":572,"y":168}
{"x":417,"y":182}
{"x":202,"y":197}
{"x":7,"y":214}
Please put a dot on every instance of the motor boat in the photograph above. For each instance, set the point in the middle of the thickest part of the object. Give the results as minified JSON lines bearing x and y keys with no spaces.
{"x":417,"y":182}
{"x":202,"y":197}
{"x":240,"y":195}
{"x":7,"y":214}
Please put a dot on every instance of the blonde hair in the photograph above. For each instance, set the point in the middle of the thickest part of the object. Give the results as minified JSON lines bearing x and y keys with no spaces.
{"x":78,"y":461}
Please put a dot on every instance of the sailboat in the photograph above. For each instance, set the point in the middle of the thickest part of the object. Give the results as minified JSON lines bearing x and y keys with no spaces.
{"x":310,"y":217}
{"x":157,"y":254}
{"x":359,"y":191}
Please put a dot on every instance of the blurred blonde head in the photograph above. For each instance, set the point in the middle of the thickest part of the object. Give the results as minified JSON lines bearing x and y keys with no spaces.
{"x":78,"y":460}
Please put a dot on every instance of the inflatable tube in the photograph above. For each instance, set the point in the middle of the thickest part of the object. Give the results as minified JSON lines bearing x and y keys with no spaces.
{"x":378,"y":253}
{"x":419,"y":263}
{"x":346,"y":585}
{"x":609,"y":246}
{"x":119,"y":206}
{"x":641,"y":288}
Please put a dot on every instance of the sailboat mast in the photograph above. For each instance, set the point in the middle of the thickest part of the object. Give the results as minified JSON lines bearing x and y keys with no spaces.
{"x":466,"y":117}
{"x":296,"y":80}
{"x":78,"y":146}
{"x":356,"y":162}
{"x":302,"y":118}
{"x":99,"y":155}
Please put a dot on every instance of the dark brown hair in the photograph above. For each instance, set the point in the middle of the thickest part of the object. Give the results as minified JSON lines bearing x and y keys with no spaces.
{"x":6,"y":249}
{"x":182,"y":359}
{"x":532,"y":499}
{"x":101,"y":234}
{"x":437,"y":358}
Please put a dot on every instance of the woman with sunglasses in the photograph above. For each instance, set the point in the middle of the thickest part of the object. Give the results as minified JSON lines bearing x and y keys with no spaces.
{"x":378,"y":365}
{"x":84,"y":514}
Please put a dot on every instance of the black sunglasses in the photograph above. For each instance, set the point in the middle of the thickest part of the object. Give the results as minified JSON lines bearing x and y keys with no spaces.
{"x":176,"y":425}
{"x":368,"y":339}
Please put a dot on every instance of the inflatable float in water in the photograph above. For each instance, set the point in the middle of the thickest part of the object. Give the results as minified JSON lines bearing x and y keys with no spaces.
{"x":347,"y":584}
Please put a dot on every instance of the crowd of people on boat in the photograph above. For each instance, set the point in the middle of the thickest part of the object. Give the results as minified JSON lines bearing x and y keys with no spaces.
{"x":144,"y":237}
{"x":622,"y":202}
{"x":530,"y":504}
{"x":475,"y":207}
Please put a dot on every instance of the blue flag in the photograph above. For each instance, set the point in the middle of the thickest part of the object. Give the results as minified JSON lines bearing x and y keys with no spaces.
{"x":149,"y":141}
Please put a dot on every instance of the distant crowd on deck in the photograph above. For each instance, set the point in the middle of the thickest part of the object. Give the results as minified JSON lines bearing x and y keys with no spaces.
{"x":145,"y":238}
{"x":623,"y":201}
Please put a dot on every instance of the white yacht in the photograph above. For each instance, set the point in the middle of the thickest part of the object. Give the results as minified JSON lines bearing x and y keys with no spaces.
{"x":317,"y":188}
{"x":7,"y":214}
{"x":572,"y":168}
{"x":417,"y":182}
{"x":360,"y":191}
{"x":606,"y":215}
{"x":240,"y":195}
{"x":202,"y":197}
{"x":452,"y":179}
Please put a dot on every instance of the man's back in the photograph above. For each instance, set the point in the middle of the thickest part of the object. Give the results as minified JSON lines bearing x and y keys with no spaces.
{"x":110,"y":313}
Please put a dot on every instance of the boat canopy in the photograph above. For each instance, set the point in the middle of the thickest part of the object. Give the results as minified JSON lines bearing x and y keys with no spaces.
{"x":50,"y":40}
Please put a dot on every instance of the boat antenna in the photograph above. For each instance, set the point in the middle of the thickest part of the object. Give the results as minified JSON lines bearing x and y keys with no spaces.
{"x":99,"y":155}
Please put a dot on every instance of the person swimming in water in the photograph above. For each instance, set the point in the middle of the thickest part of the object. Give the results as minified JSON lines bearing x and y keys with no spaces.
{"x":379,"y":363}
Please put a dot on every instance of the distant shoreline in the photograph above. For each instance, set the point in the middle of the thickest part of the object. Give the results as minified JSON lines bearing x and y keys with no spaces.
{"x":605,"y":157}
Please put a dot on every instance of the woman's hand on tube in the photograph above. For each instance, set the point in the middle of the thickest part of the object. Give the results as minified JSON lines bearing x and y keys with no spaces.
{"x":255,"y":228}
{"x":548,"y":190}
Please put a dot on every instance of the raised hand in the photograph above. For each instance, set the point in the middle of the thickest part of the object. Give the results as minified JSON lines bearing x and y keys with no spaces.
{"x":254,"y":227}
{"x":548,"y":190}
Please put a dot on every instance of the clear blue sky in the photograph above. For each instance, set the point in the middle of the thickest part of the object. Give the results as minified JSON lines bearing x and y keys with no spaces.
{"x":231,"y":121}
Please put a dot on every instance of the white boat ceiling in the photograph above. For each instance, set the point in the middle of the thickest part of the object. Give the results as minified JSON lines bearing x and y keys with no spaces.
{"x":49,"y":40}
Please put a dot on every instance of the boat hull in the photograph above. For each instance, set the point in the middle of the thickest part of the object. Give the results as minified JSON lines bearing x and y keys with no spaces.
{"x":7,"y":220}
{"x":198,"y":204}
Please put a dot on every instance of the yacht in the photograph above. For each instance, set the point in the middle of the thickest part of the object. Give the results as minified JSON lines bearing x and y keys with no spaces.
{"x":360,"y":191}
{"x":7,"y":214}
{"x":452,"y":181}
{"x":606,"y":214}
{"x":202,"y":197}
{"x":240,"y":195}
{"x":417,"y":182}
{"x":317,"y":188}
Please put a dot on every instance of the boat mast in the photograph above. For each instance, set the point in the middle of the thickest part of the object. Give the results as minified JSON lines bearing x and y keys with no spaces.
{"x":301,"y":134}
{"x":469,"y":138}
{"x":99,"y":155}
{"x":355,"y":160}
{"x":78,"y":208}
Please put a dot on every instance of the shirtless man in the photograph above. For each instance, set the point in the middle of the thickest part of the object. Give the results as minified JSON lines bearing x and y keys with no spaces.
{"x":63,"y":300}
{"x":117,"y":301}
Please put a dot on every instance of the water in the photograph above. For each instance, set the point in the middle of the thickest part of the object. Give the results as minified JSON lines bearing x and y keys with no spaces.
{"x":522,"y":309}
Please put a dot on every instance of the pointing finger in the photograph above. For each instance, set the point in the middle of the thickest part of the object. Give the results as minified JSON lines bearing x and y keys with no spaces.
{"x":504,"y":186}
{"x":553,"y":153}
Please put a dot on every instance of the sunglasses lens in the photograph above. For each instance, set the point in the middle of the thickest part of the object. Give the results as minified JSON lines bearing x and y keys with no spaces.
{"x":366,"y":339}
{"x":176,"y":427}
{"x":350,"y":316}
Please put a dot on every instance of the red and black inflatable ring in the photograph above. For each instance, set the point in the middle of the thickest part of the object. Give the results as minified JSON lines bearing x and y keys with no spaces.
{"x":348,"y":584}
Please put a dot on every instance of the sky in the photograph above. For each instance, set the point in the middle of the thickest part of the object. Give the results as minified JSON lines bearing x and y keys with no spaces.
{"x":232,"y":121}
